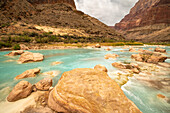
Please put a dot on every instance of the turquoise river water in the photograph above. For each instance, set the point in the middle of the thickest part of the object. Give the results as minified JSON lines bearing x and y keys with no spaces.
{"x":143,"y":96}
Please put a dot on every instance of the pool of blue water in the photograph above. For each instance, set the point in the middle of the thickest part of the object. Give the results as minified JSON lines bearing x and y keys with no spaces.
{"x":144,"y":97}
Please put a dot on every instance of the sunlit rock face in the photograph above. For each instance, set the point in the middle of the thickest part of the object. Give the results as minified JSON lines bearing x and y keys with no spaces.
{"x":146,"y":12}
{"x":85,"y":90}
{"x":71,"y":2}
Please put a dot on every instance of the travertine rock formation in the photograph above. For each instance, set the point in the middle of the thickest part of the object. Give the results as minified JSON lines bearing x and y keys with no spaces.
{"x":30,"y":57}
{"x":21,"y":90}
{"x":89,"y":91}
{"x":28,"y":73}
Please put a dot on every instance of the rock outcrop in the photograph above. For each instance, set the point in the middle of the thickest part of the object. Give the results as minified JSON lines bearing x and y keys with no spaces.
{"x":30,"y":57}
{"x":146,"y":13}
{"x":160,"y":50}
{"x":15,"y":53}
{"x":28,"y":73}
{"x":149,"y":57}
{"x":89,"y":91}
{"x":100,"y":68}
{"x":44,"y":84}
{"x":22,"y":90}
{"x":147,"y":21}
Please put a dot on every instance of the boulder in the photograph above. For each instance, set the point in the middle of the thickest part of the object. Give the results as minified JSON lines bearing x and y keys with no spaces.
{"x":44,"y":84}
{"x":15,"y":53}
{"x":149,"y":57}
{"x":28,"y":73}
{"x":113,"y":56}
{"x":160,"y":50}
{"x":97,"y":46}
{"x":137,"y":57}
{"x":30,"y":57}
{"x":100,"y":68}
{"x":108,"y":49}
{"x":22,"y":90}
{"x":23,"y":47}
{"x":89,"y":91}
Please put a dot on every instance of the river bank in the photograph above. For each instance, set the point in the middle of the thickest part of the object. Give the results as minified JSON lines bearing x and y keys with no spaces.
{"x":44,"y":46}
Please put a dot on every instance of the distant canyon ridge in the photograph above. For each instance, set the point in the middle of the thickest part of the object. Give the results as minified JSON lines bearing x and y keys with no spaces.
{"x":147,"y":21}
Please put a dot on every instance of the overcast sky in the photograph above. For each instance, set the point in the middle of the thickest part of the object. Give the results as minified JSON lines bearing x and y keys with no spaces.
{"x":107,"y":11}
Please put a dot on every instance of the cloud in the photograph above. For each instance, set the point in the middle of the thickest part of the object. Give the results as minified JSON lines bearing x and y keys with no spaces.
{"x":107,"y":11}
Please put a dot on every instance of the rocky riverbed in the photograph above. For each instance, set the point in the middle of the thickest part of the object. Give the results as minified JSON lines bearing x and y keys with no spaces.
{"x":140,"y":81}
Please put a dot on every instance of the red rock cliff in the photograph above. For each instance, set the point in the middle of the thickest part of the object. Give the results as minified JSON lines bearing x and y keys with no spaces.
{"x":71,"y":2}
{"x":146,"y":12}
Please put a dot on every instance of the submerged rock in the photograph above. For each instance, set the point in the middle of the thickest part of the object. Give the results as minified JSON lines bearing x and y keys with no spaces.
{"x":89,"y":91}
{"x":162,"y":84}
{"x":100,"y":68}
{"x":21,"y":90}
{"x":121,"y":78}
{"x":52,"y":73}
{"x":56,"y":63}
{"x":15,"y":53}
{"x":44,"y":84}
{"x":113,"y":56}
{"x":160,"y":50}
{"x":30,"y":57}
{"x":28,"y":73}
{"x":3,"y":92}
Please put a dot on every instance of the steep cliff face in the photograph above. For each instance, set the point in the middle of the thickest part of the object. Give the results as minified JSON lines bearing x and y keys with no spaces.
{"x":57,"y":15}
{"x":71,"y":2}
{"x":146,"y":12}
{"x":147,"y":21}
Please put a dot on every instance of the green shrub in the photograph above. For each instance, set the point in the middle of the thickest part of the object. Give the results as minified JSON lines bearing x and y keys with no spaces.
{"x":16,"y":47}
{"x":33,"y":34}
{"x":5,"y":44}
